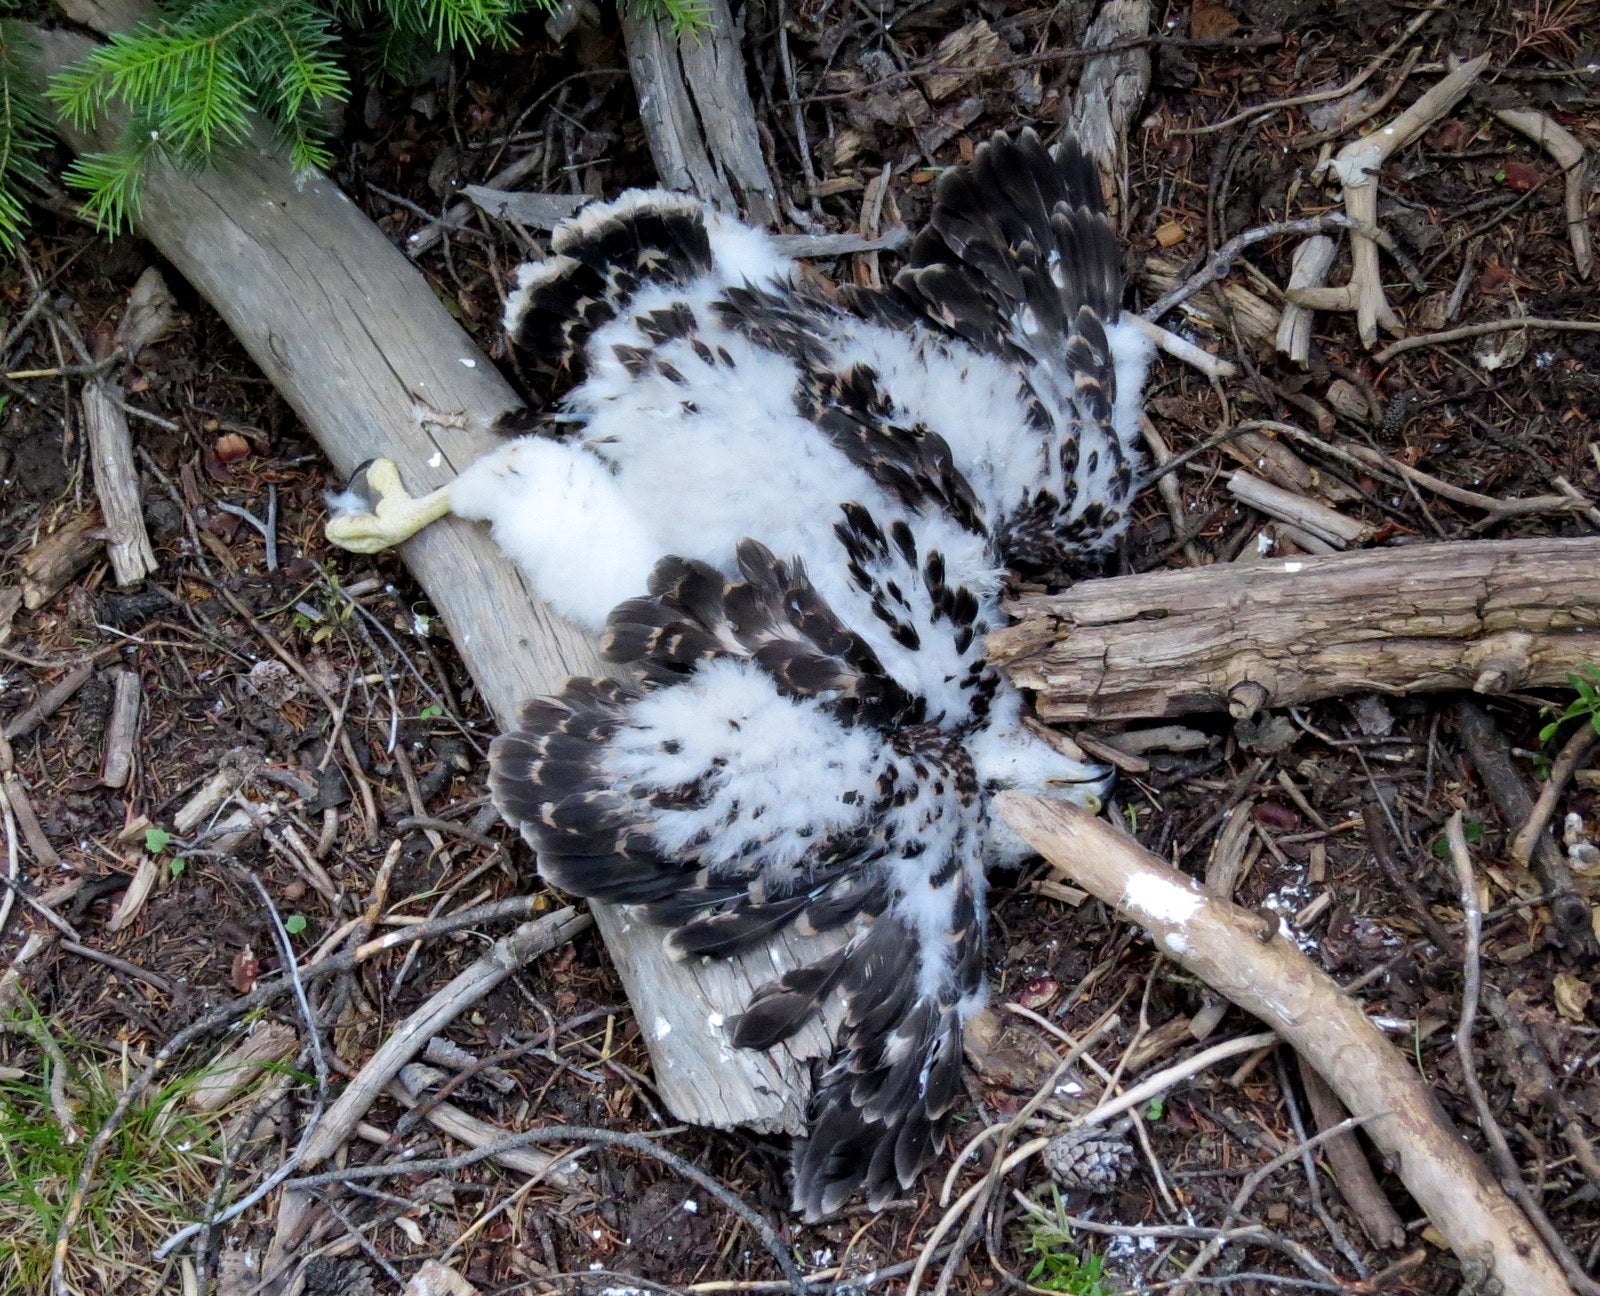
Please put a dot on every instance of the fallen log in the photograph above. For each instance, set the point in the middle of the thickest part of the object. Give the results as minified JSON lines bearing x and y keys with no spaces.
{"x":350,"y":333}
{"x":1227,"y":947}
{"x":1490,"y":616}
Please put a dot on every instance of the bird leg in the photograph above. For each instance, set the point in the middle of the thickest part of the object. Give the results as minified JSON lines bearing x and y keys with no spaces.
{"x":375,"y":512}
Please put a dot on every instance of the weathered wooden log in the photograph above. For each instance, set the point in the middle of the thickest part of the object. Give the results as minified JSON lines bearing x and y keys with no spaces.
{"x":1227,"y":948}
{"x":352,"y":336}
{"x":697,"y":112}
{"x":1489,"y":616}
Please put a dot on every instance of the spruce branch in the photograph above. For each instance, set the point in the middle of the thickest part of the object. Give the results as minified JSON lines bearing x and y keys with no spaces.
{"x":193,"y":82}
{"x":24,"y":131}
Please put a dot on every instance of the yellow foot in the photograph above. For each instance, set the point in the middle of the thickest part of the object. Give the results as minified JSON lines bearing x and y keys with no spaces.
{"x":375,"y":512}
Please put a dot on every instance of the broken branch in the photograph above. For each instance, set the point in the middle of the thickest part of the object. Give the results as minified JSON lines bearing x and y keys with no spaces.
{"x":1223,"y":945}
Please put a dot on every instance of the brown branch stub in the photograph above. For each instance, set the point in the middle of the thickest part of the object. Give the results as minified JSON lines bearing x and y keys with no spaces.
{"x":1220,"y":943}
{"x":1489,"y":615}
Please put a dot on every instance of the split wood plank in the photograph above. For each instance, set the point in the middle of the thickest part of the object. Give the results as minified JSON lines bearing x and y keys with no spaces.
{"x":1486,"y":615}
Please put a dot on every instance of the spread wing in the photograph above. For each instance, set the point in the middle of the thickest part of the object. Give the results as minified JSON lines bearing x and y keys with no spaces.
{"x":1019,"y":260}
{"x":767,"y":786}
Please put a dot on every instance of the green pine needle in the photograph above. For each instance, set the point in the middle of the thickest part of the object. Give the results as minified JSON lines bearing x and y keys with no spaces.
{"x":193,"y":82}
{"x":24,"y":132}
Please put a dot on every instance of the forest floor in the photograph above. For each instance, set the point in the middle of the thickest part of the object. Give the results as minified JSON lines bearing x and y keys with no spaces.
{"x":130,"y":923}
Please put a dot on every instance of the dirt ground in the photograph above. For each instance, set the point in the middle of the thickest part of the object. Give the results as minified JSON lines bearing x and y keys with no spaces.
{"x":1335,"y":812}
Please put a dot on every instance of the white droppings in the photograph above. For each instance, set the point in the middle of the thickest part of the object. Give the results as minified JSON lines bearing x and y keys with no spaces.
{"x":468,"y":362}
{"x":436,"y":458}
{"x":663,"y":1028}
{"x":715,"y":1021}
{"x":1292,"y":567}
{"x":691,"y":1205}
{"x":1152,"y":896}
{"x":1264,"y":543}
{"x":1176,"y":943}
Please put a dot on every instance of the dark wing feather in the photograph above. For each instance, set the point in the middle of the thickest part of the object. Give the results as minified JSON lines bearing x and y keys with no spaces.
{"x":597,"y":262}
{"x":772,"y":615}
{"x":1019,"y":259}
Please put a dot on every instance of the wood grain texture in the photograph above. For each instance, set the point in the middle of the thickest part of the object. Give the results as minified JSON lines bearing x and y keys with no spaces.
{"x":697,"y":112}
{"x":352,"y":336}
{"x":1484,"y":615}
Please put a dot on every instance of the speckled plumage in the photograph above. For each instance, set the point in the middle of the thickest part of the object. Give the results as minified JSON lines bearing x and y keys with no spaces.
{"x":790,"y":516}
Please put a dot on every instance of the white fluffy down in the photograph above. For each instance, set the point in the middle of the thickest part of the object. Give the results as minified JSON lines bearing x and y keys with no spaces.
{"x":783,"y":768}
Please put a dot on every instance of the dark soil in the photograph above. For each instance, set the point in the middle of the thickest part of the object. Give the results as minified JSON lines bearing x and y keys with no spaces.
{"x":1471,"y":204}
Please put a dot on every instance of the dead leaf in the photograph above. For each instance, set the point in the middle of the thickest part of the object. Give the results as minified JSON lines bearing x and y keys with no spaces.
{"x":1494,"y":277}
{"x":1572,"y":996}
{"x":1451,"y":136}
{"x":144,"y":878}
{"x":1211,"y":21}
{"x":231,"y":447}
{"x":246,"y":968}
{"x":1520,"y":177}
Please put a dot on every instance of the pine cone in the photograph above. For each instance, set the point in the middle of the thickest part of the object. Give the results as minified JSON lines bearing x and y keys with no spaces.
{"x":1095,"y":1160}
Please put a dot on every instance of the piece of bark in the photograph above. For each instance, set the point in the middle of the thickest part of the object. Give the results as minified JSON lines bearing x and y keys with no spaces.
{"x":145,"y":870}
{"x":1110,"y":91}
{"x":540,"y":211}
{"x":1357,"y":1184}
{"x":1484,"y":615}
{"x":411,"y":1086}
{"x":697,"y":112}
{"x":116,"y":483}
{"x":1326,"y":524}
{"x":57,"y":558}
{"x":263,"y":1044}
{"x":48,"y":702}
{"x":1257,"y":318}
{"x":353,"y":338}
{"x":122,"y":729}
{"x":1223,"y":945}
{"x":1491,"y":756}
{"x":10,"y":605}
{"x":151,"y":314}
{"x":1309,"y":269}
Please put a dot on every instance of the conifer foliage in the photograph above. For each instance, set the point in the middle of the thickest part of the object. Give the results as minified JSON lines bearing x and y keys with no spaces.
{"x":200,"y":76}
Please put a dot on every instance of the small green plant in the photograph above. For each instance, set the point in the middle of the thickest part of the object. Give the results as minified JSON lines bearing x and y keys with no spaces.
{"x":1586,"y":706}
{"x":1060,"y":1267}
{"x":1060,"y":1270}
{"x":151,"y":1178}
{"x":156,"y":841}
{"x":1155,"y":1109}
{"x":294,"y":924}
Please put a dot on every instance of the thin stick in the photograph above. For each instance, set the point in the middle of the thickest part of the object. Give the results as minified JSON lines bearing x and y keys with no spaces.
{"x":1561,"y":770}
{"x":1319,"y":96}
{"x":1389,"y":352}
{"x":1499,"y":1148}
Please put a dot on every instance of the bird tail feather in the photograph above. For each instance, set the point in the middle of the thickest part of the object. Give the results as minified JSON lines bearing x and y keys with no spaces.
{"x":597,"y":261}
